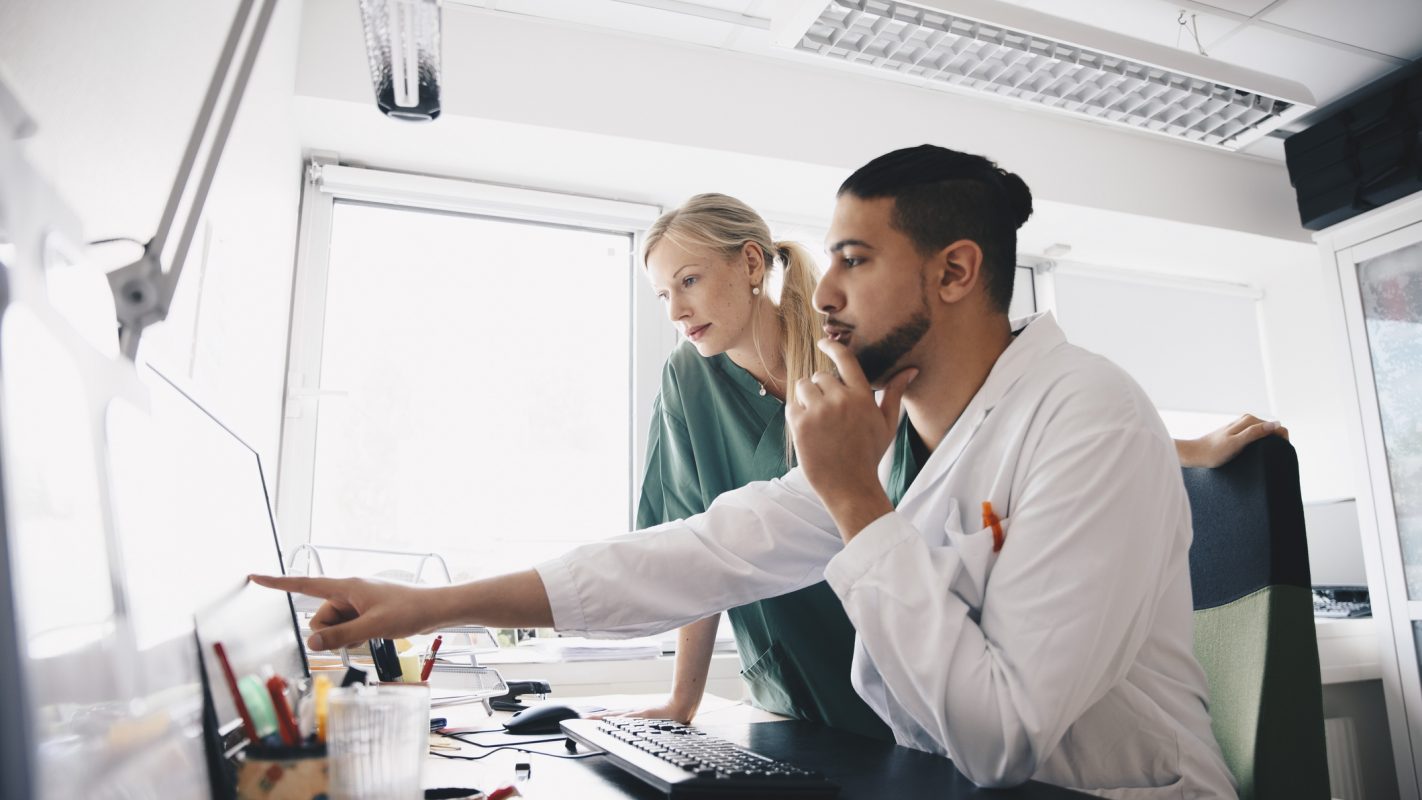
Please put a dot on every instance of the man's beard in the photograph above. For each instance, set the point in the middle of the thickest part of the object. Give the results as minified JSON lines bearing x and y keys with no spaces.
{"x":877,"y":358}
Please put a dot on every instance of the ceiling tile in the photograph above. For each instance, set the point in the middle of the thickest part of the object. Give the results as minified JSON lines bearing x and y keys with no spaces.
{"x":626,"y":17}
{"x":1327,"y":71}
{"x":1393,"y":27}
{"x":1246,"y":7}
{"x":1150,"y":20}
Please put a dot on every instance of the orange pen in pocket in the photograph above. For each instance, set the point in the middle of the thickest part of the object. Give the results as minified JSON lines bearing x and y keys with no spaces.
{"x":990,"y":520}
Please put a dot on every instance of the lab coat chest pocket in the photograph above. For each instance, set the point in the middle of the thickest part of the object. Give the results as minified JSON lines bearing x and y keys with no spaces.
{"x":974,"y":550}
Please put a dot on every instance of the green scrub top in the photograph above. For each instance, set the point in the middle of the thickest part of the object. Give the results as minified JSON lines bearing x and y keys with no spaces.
{"x":713,"y":430}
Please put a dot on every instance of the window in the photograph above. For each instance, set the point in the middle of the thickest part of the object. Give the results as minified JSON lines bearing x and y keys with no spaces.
{"x":1024,"y":294}
{"x":1194,"y":346}
{"x":435,"y":350}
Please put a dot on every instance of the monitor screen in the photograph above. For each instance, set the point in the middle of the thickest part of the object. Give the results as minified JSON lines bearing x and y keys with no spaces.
{"x":1335,"y":546}
{"x":194,"y":519}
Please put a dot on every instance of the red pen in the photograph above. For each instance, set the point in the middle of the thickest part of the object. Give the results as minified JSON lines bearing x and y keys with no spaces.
{"x":429,"y":661}
{"x":247,"y":726}
{"x":290,"y":734}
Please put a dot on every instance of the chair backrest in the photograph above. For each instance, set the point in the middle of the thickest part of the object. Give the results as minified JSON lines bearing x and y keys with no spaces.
{"x":1254,"y":632}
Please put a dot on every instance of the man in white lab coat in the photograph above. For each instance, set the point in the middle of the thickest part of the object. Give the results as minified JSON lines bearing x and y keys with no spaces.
{"x":1012,"y":550}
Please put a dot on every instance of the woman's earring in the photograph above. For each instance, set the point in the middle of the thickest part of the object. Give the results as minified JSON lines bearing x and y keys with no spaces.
{"x":755,"y":291}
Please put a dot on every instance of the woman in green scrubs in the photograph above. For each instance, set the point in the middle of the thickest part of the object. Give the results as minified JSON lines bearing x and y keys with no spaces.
{"x":718,"y":423}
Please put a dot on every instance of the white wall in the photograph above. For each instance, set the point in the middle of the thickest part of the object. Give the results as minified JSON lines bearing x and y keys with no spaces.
{"x":1307,"y":364}
{"x":114,"y":89}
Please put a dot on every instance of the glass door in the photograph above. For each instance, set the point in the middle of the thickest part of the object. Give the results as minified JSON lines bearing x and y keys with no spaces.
{"x":1381,"y":281}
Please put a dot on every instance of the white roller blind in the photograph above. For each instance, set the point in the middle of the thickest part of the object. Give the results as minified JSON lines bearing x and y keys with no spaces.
{"x":1191,"y":349}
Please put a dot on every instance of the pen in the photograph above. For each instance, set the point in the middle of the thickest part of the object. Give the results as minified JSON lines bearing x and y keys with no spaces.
{"x":429,"y":662}
{"x":247,"y":725}
{"x":286,"y":724}
{"x":990,"y":520}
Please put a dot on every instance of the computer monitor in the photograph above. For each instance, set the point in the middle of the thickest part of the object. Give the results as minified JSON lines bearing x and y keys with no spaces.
{"x":97,"y":715}
{"x":1335,"y":546}
{"x":195,"y":520}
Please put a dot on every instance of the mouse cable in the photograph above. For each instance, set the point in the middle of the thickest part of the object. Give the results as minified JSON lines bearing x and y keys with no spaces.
{"x":494,"y":750}
{"x":459,"y":737}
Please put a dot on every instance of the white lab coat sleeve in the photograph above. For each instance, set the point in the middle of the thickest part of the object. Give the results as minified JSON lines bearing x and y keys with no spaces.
{"x":761,"y":540}
{"x":997,"y":660}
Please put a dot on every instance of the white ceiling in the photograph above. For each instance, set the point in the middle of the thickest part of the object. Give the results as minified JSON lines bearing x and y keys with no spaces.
{"x":1329,"y":46}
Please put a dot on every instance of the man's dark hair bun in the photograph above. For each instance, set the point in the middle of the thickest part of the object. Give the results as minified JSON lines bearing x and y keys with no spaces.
{"x":1019,"y":197}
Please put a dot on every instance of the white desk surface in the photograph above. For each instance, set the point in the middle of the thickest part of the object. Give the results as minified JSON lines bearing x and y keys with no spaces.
{"x":498,"y":768}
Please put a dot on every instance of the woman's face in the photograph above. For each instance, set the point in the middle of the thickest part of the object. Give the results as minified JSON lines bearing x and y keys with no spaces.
{"x":707,"y":296}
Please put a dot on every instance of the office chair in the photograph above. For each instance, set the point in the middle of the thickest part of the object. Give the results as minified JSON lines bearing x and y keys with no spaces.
{"x":1254,"y":631}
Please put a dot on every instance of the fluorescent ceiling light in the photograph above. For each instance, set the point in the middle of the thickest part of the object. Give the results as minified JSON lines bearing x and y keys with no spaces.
{"x":1023,"y":55}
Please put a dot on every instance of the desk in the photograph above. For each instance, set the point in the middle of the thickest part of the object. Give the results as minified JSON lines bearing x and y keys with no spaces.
{"x":863,"y":768}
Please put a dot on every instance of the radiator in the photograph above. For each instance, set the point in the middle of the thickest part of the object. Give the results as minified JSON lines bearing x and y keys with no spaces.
{"x":1345,"y":779}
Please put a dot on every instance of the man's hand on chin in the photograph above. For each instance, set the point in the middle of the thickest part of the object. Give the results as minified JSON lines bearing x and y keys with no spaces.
{"x":840,"y":435}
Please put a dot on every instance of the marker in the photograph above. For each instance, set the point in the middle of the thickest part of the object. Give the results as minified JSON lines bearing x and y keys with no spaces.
{"x":392,"y":659}
{"x":286,"y":724}
{"x":377,"y":655}
{"x":429,"y":662}
{"x":322,"y":689}
{"x":248,"y":726}
{"x":259,"y":704}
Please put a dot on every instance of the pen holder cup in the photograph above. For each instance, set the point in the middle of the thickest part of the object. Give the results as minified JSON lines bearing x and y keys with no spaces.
{"x":283,"y":774}
{"x":378,"y":738}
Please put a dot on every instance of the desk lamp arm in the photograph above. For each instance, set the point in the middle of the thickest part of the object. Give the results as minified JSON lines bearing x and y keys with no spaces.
{"x":143,"y":291}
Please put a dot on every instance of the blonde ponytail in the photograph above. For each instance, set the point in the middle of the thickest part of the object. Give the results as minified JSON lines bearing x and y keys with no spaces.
{"x":724,"y":225}
{"x":799,"y":323}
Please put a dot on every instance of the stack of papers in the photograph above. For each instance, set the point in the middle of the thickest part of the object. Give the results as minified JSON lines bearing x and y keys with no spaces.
{"x":572,"y":648}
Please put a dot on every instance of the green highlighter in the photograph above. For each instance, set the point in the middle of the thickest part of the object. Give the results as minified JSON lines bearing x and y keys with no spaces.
{"x":259,"y":705}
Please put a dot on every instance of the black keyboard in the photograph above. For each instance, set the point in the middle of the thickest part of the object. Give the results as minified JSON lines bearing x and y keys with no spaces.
{"x":681,"y":761}
{"x":1341,"y":601}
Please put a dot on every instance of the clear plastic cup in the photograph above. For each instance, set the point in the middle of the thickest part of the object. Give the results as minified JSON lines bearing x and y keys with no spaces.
{"x":378,"y":739}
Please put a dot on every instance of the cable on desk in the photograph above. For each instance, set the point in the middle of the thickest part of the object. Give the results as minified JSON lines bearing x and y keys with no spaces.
{"x":494,"y":750}
{"x":459,"y":737}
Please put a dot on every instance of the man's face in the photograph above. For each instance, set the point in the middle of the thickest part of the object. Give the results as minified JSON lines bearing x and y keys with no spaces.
{"x":872,"y":292}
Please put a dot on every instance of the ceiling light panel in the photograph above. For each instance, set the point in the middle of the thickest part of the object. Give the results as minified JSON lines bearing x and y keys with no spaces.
{"x":970,"y":52}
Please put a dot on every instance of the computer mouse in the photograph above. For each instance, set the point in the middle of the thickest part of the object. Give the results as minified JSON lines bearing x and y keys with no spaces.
{"x":540,"y":719}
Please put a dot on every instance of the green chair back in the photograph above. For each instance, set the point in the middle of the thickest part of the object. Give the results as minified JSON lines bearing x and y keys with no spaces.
{"x":1254,"y":632}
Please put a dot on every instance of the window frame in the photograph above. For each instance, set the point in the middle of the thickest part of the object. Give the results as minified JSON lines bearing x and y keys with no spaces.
{"x":327,"y":182}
